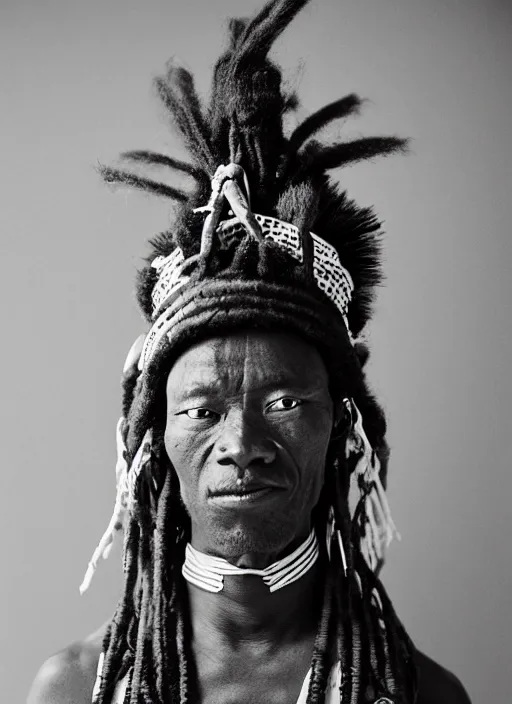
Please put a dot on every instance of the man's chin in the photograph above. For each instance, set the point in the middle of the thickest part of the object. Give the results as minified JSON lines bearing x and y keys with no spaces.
{"x":262,"y":538}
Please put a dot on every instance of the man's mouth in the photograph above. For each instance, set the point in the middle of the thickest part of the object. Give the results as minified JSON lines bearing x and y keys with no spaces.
{"x":243,"y":494}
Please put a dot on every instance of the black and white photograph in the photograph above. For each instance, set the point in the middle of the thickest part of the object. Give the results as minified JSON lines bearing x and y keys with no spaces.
{"x":257,"y":347}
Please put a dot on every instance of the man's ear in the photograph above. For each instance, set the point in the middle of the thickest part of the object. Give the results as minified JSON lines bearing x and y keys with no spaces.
{"x":132,"y":360}
{"x":342,"y":417}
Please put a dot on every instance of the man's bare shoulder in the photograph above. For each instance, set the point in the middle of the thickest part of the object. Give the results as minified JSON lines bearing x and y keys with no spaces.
{"x":68,"y":676}
{"x":437,"y":685}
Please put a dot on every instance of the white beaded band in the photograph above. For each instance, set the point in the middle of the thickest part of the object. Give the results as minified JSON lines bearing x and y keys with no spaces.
{"x":208,"y":572}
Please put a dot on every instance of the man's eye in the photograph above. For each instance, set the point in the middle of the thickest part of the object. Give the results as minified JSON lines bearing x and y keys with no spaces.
{"x":284,"y":404}
{"x":200,"y":414}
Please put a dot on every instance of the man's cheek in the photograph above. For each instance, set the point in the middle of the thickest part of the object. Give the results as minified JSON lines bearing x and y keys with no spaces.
{"x":179,"y":448}
{"x":172,"y":445}
{"x":188,"y":493}
{"x":182,"y":466}
{"x":314,"y":474}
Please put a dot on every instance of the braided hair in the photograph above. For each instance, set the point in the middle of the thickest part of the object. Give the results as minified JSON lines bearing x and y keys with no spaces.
{"x":148,"y":638}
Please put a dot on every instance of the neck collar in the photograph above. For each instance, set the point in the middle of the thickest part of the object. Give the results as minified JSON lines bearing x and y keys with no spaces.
{"x":208,"y":572}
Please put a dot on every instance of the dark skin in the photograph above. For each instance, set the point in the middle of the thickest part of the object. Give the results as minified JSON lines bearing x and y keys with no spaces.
{"x":241,"y":408}
{"x":253,"y":407}
{"x":242,"y":414}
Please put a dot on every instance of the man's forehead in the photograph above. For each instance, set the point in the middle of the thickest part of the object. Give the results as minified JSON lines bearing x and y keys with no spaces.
{"x":259,"y":358}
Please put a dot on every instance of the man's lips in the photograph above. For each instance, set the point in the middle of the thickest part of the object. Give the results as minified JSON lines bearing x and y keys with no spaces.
{"x":243,"y":489}
{"x":247,"y":494}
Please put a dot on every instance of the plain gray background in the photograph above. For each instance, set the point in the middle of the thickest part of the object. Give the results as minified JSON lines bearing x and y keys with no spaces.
{"x":75,"y":87}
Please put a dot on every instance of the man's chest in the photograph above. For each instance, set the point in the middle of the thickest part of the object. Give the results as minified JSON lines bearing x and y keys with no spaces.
{"x":275,"y":679}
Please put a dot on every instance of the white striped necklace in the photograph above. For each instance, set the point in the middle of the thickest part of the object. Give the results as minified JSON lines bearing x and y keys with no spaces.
{"x":208,"y":572}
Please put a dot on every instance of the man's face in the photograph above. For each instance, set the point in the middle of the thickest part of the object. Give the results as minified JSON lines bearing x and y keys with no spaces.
{"x":249,"y":418}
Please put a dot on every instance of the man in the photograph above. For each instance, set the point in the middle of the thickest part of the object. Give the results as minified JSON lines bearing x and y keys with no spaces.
{"x":252,"y":456}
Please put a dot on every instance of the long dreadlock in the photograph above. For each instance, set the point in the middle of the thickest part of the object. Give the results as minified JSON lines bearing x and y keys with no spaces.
{"x":149,"y":635}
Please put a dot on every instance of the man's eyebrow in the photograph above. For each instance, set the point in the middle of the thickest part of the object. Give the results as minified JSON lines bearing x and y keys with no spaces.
{"x":302,"y":385}
{"x":299,"y":385}
{"x":193,"y":390}
{"x":190,"y":388}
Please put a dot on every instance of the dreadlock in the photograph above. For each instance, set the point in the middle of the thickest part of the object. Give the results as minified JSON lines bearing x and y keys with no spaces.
{"x":149,"y":635}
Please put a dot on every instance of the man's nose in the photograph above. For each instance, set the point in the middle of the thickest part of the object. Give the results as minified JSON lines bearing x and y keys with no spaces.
{"x":244,"y":440}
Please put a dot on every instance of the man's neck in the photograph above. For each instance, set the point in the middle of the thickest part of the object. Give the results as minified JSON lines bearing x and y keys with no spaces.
{"x":245,"y":612}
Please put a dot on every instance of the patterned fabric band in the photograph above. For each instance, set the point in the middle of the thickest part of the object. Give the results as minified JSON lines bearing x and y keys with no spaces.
{"x":208,"y":572}
{"x":330,"y":276}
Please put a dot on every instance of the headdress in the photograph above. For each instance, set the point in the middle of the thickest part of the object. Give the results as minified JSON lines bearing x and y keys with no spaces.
{"x":264,"y":239}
